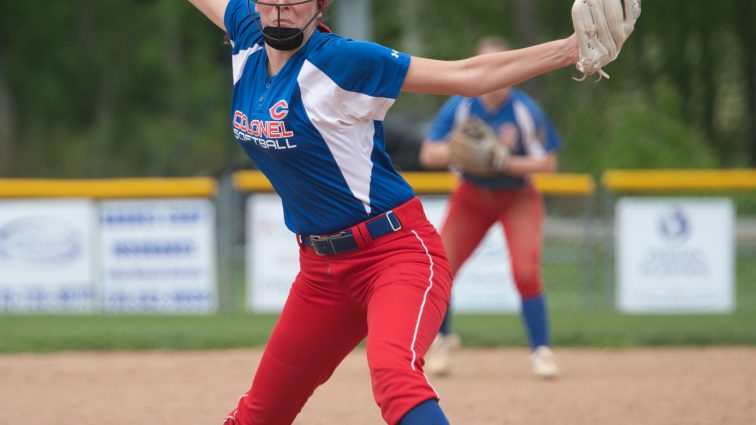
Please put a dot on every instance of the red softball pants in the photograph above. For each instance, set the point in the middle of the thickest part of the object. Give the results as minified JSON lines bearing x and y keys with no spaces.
{"x":394,"y":291}
{"x":473,"y":210}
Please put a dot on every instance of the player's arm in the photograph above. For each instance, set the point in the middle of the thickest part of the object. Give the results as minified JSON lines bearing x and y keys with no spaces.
{"x":434,"y":155}
{"x":522,"y":166}
{"x":484,"y":73}
{"x":213,"y":9}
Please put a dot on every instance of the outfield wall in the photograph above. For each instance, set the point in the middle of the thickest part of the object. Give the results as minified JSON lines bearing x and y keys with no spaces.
{"x":111,"y":246}
{"x":483,"y":284}
{"x":641,"y":241}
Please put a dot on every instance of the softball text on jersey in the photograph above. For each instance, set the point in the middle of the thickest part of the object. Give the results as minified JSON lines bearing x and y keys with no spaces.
{"x":269,"y":134}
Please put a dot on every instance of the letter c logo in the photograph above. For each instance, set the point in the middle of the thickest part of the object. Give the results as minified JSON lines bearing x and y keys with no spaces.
{"x":279,"y":110}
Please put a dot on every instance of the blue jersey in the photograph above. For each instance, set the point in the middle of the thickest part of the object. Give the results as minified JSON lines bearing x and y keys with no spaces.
{"x":316,"y":128}
{"x":536,"y":135}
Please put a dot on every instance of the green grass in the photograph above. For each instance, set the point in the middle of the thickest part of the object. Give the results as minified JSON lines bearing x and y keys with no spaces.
{"x":581,"y":306}
{"x":611,"y":329}
{"x":22,"y":333}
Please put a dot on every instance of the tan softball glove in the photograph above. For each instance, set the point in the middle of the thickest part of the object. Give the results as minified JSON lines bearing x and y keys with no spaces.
{"x":602,"y":26}
{"x":476,"y":149}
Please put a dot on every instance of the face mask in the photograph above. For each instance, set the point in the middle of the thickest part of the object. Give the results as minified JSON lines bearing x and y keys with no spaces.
{"x":283,"y":38}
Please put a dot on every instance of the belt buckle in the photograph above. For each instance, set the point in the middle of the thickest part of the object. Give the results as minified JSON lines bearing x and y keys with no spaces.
{"x":325,"y":239}
{"x":391,"y":217}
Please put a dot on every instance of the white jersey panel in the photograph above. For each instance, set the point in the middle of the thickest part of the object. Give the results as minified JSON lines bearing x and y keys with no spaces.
{"x":533,"y":144}
{"x":462,"y":112}
{"x":351,"y":143}
{"x":239,"y":60}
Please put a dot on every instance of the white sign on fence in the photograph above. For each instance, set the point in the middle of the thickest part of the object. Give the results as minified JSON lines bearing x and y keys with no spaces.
{"x":484,"y":284}
{"x":675,"y":255}
{"x":272,"y":254}
{"x":46,"y":262}
{"x":158,"y":256}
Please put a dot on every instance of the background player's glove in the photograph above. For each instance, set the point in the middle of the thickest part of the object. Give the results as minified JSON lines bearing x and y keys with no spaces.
{"x":475,"y":148}
{"x":602,"y":26}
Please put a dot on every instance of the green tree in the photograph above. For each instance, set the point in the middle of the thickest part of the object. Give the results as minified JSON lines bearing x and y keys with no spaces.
{"x":110,"y":88}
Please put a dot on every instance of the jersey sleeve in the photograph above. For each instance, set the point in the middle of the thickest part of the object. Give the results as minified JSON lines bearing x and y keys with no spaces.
{"x":365,"y":68}
{"x":240,"y":25}
{"x":443,"y":122}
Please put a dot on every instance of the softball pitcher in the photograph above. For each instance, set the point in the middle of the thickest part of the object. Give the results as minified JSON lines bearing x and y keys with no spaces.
{"x":308,"y":109}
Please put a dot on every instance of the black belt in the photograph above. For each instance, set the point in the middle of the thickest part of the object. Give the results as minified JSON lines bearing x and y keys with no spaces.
{"x":345,"y":241}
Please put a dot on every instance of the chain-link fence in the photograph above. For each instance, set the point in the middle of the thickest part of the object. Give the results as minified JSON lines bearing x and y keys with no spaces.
{"x":744,"y":253}
{"x":702,"y":189}
{"x":579,"y":248}
{"x":569,"y":266}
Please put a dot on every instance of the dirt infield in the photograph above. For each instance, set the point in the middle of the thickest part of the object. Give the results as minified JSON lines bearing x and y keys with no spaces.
{"x":660,"y":386}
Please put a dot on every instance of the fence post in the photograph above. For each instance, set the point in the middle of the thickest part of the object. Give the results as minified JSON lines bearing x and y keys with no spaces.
{"x":589,"y":251}
{"x":228,"y":225}
{"x":608,"y":252}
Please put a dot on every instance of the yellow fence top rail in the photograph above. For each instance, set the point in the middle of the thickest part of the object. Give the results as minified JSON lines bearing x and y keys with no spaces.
{"x":565,"y":184}
{"x":654,"y":180}
{"x":444,"y":182}
{"x":109,"y":188}
{"x":251,"y":181}
{"x":431,"y":182}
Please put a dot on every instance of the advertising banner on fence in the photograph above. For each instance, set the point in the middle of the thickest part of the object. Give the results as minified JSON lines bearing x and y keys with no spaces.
{"x":483,"y":285}
{"x":675,"y":255}
{"x":272,"y":254}
{"x":46,"y":256}
{"x":158,"y":256}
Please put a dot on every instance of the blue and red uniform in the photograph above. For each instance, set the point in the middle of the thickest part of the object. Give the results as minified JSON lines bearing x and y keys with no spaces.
{"x":371,"y":263}
{"x":477,"y":203}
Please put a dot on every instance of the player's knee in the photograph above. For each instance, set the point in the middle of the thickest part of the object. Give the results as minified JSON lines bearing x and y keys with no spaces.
{"x":526,"y":273}
{"x":529,"y":293}
{"x":398,"y":389}
{"x":529,"y":285}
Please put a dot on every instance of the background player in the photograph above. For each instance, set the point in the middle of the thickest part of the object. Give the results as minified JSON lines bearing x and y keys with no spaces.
{"x":308,"y":108}
{"x":508,"y":198}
